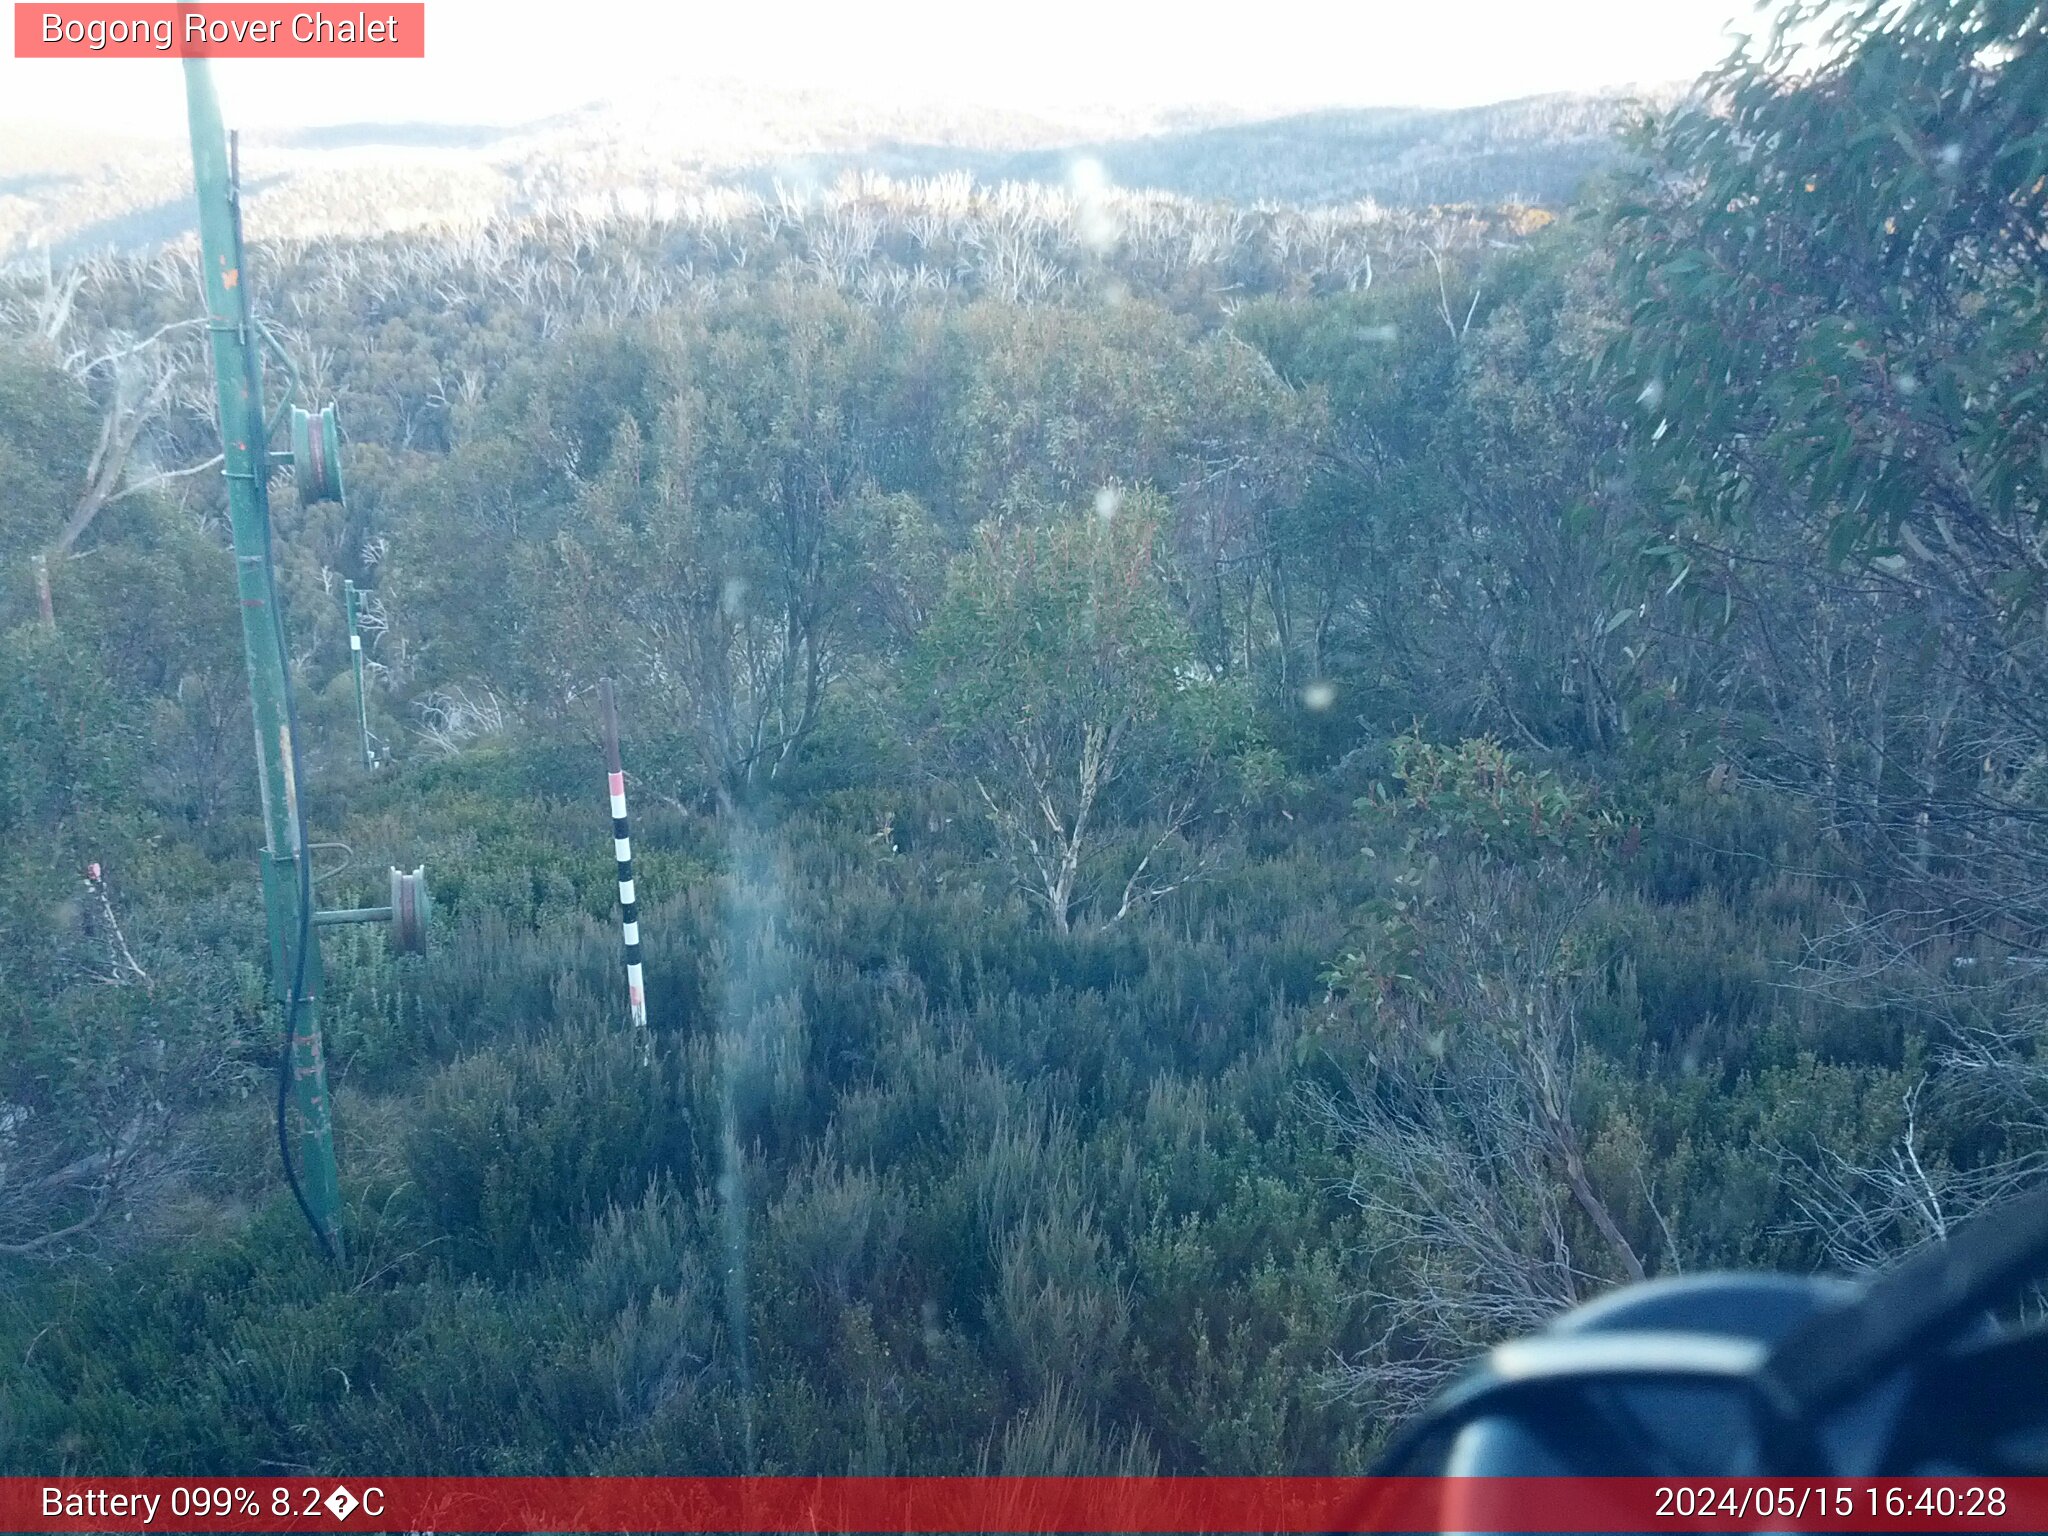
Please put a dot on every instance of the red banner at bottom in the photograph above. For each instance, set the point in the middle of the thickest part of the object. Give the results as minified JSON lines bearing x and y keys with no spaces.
{"x":1021,"y":1504}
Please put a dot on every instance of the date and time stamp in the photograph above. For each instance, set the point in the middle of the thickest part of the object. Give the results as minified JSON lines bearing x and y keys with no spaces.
{"x":1051,"y":1506}
{"x":1744,"y":1500}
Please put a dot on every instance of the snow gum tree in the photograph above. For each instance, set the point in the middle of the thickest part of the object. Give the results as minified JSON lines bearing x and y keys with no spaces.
{"x":1063,"y":689}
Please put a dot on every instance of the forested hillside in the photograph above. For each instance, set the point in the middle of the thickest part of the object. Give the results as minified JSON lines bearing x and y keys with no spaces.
{"x":1231,"y":804}
{"x":78,"y":195}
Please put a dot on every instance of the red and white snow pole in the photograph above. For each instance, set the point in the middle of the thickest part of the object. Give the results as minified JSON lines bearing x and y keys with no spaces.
{"x":622,"y":845}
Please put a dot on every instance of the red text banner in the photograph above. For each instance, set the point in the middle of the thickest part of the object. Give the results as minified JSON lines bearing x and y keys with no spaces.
{"x":1054,"y":1506}
{"x":227,"y":31}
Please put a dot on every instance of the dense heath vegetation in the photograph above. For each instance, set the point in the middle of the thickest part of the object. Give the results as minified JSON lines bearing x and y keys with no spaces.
{"x":1232,"y":803}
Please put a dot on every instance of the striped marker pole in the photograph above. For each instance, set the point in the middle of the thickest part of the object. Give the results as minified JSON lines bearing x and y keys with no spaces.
{"x":622,"y":844}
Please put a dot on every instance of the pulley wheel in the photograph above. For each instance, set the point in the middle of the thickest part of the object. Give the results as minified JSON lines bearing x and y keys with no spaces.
{"x":316,"y":454}
{"x":410,"y":910}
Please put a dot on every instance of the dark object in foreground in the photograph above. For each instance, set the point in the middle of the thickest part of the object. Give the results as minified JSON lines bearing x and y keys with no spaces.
{"x":1906,"y":1374}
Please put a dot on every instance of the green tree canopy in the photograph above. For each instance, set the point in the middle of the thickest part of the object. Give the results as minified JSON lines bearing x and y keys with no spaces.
{"x":1064,"y":686}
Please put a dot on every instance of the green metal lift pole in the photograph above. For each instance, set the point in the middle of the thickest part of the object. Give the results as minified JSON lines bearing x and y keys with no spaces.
{"x":245,"y":445}
{"x":355,"y":656}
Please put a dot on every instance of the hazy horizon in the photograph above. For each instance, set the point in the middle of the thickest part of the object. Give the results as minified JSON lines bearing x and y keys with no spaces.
{"x":494,"y":64}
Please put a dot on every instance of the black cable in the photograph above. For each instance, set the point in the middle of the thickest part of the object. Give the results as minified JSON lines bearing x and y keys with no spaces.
{"x":302,"y":854}
{"x":296,"y":995}
{"x":302,"y":857}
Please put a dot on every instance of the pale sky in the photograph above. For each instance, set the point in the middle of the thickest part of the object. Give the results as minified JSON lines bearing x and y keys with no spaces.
{"x":502,"y":61}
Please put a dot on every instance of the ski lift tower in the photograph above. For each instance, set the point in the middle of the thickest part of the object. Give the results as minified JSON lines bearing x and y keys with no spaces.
{"x":237,"y":339}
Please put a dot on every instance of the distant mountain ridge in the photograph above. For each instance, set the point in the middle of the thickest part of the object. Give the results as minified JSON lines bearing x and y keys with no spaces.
{"x":71,"y":194}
